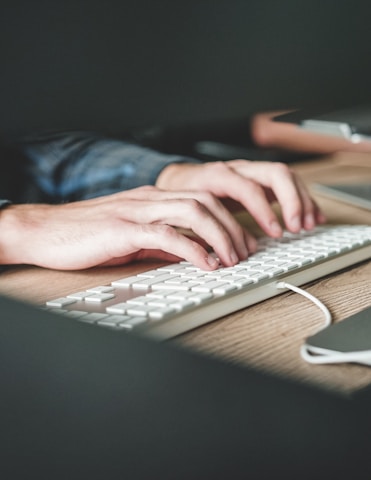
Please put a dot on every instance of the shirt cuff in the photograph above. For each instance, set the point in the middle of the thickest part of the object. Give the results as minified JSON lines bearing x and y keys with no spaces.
{"x":4,"y":203}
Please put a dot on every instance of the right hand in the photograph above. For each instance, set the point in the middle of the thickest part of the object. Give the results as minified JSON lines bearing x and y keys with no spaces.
{"x":119,"y":228}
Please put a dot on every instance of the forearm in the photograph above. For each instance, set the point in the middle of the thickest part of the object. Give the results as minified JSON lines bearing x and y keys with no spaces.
{"x":81,"y":165}
{"x":120,"y":228}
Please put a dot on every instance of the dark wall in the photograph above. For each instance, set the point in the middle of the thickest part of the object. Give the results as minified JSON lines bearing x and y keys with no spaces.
{"x":112,"y":64}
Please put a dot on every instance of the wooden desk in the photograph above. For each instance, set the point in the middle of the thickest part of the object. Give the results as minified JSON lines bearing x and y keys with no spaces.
{"x":266,"y":336}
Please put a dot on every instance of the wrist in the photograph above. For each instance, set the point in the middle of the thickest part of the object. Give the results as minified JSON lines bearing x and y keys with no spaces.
{"x":4,"y":203}
{"x":175,"y":176}
{"x":168,"y":176}
{"x":12,"y":237}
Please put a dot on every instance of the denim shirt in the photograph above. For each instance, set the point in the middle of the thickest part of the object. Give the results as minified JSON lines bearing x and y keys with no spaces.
{"x":78,"y":165}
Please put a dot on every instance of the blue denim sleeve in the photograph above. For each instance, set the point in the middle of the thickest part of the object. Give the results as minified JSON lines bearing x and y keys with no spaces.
{"x":70,"y":166}
{"x":4,"y":203}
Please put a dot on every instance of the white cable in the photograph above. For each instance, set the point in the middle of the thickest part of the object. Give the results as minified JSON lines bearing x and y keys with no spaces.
{"x":328,"y":320}
{"x":318,"y":355}
{"x":312,"y":356}
{"x":325,"y":310}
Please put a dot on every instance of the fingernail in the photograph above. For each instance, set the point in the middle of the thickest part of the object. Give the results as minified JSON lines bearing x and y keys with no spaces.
{"x":212,"y":261}
{"x":244,"y":253}
{"x":295,"y":224}
{"x":234,"y":258}
{"x":275,"y":229}
{"x":309,"y":221}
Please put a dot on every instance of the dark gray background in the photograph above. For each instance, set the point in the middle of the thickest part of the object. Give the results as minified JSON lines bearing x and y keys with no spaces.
{"x":114,"y":64}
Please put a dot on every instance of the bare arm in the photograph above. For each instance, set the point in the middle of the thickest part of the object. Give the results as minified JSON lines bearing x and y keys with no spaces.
{"x":142,"y":222}
{"x":120,"y":228}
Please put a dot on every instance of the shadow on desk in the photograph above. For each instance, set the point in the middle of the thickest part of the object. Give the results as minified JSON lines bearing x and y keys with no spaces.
{"x":82,"y":402}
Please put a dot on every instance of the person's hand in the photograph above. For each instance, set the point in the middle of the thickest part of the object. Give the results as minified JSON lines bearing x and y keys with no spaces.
{"x":254,"y":186}
{"x":123,"y":227}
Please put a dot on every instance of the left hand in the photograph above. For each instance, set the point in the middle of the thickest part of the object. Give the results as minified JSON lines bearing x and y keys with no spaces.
{"x":254,"y":185}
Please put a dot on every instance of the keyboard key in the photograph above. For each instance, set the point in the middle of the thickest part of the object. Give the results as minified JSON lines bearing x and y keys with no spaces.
{"x":79,"y":295}
{"x":60,"y":302}
{"x":169,"y":300}
{"x":99,"y":297}
{"x":101,"y":289}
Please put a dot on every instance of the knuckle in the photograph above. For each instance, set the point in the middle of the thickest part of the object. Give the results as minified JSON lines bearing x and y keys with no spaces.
{"x":196,"y":249}
{"x":281,"y":168}
{"x":193,"y":205}
{"x":207,"y":198}
{"x":219,"y":167}
{"x":148,"y":188}
{"x":166,"y":230}
{"x":310,"y":207}
{"x":296,"y":210}
{"x":253,"y":187}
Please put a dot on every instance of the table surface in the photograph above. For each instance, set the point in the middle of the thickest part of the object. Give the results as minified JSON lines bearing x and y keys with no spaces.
{"x":254,"y":337}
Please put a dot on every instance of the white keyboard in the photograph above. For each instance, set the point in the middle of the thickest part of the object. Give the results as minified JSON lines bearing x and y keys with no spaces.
{"x":176,"y":298}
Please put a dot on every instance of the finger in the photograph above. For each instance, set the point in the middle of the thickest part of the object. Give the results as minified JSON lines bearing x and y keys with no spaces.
{"x":142,"y":212}
{"x":139,"y":193}
{"x":309,"y":208}
{"x":138,"y":238}
{"x":251,"y":195}
{"x":185,"y":213}
{"x":240,"y":237}
{"x":296,"y":204}
{"x":279,"y":184}
{"x":142,"y":255}
{"x":313,"y":215}
{"x":190,"y":214}
{"x":299,"y":210}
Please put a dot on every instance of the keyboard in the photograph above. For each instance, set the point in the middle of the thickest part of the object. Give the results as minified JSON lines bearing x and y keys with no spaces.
{"x":176,"y":298}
